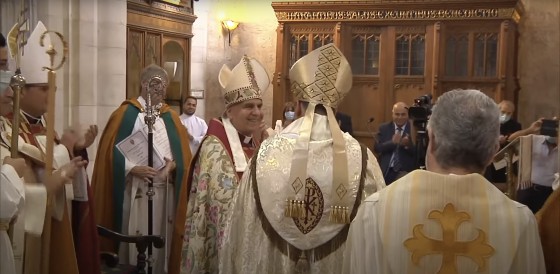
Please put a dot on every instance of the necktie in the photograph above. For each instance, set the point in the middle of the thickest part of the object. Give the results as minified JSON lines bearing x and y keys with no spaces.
{"x":395,"y":162}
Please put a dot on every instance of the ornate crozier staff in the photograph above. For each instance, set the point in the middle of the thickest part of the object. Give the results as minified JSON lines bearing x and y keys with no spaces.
{"x":155,"y":86}
{"x":16,"y":41}
{"x":50,"y":121}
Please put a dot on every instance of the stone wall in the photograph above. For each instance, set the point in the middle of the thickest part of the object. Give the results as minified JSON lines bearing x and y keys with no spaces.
{"x":255,"y":36}
{"x":539,"y":61}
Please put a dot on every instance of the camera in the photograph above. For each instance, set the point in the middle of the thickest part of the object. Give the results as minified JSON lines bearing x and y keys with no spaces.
{"x":421,"y":110}
{"x":549,"y":127}
{"x":419,"y":113}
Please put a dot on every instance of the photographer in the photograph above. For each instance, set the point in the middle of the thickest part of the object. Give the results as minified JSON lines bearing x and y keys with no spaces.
{"x":394,"y":145}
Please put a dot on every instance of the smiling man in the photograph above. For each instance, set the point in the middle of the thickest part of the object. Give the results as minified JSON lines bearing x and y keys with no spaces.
{"x":217,"y":168}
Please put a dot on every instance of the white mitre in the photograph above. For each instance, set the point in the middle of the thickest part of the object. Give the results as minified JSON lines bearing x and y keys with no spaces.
{"x":35,"y":57}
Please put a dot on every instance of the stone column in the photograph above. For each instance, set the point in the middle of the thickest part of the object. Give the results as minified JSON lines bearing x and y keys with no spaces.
{"x":92,"y":83}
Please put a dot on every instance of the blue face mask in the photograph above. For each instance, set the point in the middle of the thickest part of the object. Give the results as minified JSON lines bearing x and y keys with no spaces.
{"x":289,"y":115}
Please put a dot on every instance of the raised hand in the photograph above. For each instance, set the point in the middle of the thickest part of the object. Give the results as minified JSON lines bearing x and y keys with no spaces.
{"x":64,"y":175}
{"x":69,"y":139}
{"x":88,"y":138}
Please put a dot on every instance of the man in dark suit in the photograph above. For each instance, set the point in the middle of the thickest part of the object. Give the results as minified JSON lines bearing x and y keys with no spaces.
{"x":344,"y":122}
{"x":394,"y":145}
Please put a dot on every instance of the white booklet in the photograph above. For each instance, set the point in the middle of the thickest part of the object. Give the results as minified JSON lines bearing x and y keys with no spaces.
{"x":79,"y":185}
{"x":135,"y":149}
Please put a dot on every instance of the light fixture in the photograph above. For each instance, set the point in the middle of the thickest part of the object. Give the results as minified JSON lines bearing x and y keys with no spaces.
{"x":229,"y":25}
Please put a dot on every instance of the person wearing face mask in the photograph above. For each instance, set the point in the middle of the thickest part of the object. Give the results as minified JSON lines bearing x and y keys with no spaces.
{"x":121,"y":185}
{"x":508,"y":126}
{"x":289,"y":114}
{"x":287,"y":119}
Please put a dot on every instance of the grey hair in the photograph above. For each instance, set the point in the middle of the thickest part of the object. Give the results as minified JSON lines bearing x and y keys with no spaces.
{"x":151,"y":71}
{"x":465,"y":127}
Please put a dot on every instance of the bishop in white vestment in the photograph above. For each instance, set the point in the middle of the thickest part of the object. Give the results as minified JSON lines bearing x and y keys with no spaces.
{"x":294,"y":204}
{"x":448,"y":219}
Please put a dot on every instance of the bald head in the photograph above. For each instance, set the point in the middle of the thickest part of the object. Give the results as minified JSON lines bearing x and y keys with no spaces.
{"x":400,"y":113}
{"x":506,"y":107}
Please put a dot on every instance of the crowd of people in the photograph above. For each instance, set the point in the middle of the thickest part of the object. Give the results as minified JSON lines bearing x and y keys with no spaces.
{"x":234,"y":196}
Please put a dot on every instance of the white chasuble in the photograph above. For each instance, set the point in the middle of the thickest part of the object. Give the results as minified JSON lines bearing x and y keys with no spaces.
{"x":260,"y":239}
{"x":433,"y":223}
{"x":135,"y":202}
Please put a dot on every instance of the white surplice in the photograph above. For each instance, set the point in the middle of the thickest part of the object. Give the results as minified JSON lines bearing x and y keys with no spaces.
{"x":135,"y":203}
{"x":196,"y":127}
{"x":410,"y":226}
{"x":11,"y":202}
{"x":248,"y":248}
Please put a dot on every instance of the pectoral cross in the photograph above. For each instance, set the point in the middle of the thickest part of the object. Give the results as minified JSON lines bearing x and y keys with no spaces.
{"x":478,"y":249}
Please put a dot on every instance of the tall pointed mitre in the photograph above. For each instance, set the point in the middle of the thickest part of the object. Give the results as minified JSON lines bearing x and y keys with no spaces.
{"x":322,"y":77}
{"x":248,"y":80}
{"x":34,"y":57}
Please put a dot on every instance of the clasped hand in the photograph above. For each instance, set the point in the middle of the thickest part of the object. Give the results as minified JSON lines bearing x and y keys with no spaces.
{"x":403,"y":140}
{"x":146,"y":172}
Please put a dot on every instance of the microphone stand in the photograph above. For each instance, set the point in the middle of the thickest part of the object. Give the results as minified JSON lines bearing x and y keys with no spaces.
{"x":149,"y":119}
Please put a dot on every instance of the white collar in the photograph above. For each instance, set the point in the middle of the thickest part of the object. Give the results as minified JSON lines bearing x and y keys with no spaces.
{"x":237,"y":152}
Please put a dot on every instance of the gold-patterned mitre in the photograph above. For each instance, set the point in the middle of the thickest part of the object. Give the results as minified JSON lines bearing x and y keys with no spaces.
{"x":35,"y":57}
{"x":322,"y":77}
{"x":248,"y":80}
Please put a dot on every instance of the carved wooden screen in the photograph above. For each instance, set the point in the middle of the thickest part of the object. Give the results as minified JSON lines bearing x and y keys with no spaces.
{"x":485,"y":54}
{"x":410,"y":54}
{"x":148,"y":35}
{"x":365,"y":50}
{"x":471,"y":58}
{"x":399,"y":50}
{"x":305,"y":39}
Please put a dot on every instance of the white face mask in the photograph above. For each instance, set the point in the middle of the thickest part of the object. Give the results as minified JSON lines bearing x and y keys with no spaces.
{"x":504,"y":118}
{"x":290,"y":115}
{"x":5,"y":77}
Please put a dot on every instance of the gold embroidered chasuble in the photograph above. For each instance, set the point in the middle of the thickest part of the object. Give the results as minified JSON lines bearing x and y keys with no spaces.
{"x":212,"y":185}
{"x":433,"y":223}
{"x":260,"y":239}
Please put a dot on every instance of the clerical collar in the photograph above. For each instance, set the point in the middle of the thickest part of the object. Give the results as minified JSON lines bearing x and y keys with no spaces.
{"x":246,"y":140}
{"x":32,"y":120}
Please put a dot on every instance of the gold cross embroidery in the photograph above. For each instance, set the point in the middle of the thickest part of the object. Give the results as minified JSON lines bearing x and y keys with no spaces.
{"x":420,"y":245}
